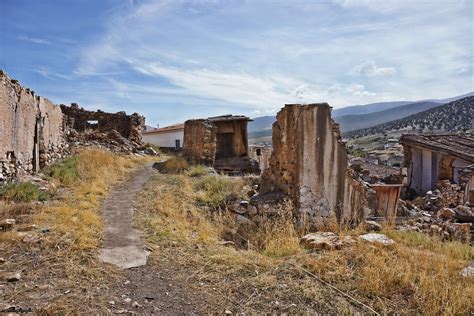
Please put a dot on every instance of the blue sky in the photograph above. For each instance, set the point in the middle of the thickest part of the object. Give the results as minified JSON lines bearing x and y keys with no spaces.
{"x":174,"y":60}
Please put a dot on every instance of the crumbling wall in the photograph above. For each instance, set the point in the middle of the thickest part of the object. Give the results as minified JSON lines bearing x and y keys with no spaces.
{"x":81,"y":120}
{"x":30,"y":130}
{"x":200,"y":141}
{"x":309,"y":163}
{"x":261,"y":154}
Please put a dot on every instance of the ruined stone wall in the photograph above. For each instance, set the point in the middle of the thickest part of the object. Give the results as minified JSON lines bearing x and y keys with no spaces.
{"x":200,"y":141}
{"x":30,"y":130}
{"x":262,"y":155}
{"x":129,"y":126}
{"x":309,"y":163}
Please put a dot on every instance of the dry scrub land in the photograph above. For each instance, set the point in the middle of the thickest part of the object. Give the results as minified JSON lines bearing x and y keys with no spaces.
{"x":192,"y":268}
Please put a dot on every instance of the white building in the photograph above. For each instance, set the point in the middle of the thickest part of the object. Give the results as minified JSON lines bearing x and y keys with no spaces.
{"x":170,"y":137}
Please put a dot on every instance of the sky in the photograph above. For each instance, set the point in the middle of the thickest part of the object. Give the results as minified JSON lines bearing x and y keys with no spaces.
{"x":171,"y":60}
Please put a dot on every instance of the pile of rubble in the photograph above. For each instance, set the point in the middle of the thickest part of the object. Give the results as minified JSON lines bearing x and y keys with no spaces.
{"x":423,"y":215}
{"x":112,"y":141}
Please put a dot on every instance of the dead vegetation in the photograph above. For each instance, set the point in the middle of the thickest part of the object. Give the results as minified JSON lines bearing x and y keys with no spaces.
{"x":419,"y":274}
{"x":53,"y":245}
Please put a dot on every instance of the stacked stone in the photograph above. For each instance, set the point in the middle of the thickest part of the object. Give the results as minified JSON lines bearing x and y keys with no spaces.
{"x":200,"y":141}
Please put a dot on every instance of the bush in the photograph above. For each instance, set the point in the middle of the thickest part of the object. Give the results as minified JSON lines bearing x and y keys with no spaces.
{"x":174,"y":165}
{"x":217,"y":191}
{"x":65,"y":171}
{"x":22,"y":192}
{"x":198,"y":171}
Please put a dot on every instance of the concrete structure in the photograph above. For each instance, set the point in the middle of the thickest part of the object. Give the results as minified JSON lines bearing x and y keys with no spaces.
{"x":219,"y":141}
{"x":309,"y":163}
{"x":432,"y":158}
{"x":170,"y":137}
{"x":31,"y":130}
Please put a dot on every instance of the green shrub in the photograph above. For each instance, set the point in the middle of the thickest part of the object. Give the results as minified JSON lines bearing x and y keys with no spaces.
{"x":65,"y":171}
{"x":198,"y":171}
{"x":22,"y":192}
{"x":216,"y":191}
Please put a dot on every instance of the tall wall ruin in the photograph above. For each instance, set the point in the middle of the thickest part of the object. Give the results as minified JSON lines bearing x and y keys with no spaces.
{"x":309,"y":163}
{"x":200,"y":141}
{"x":31,"y":130}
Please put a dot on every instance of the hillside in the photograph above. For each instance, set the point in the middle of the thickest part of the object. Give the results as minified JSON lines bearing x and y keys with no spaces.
{"x":361,"y":116}
{"x":354,"y":122}
{"x":455,"y":116}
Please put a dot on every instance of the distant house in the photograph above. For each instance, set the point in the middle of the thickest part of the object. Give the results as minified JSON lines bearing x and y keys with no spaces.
{"x":434,"y":157}
{"x":169,"y":137}
{"x":391,"y":143}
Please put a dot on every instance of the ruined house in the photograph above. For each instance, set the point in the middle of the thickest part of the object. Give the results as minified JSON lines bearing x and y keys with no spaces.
{"x":81,"y":120}
{"x":309,"y":164}
{"x":31,"y":130}
{"x":221,"y":142}
{"x":433,"y":158}
{"x":35,"y":132}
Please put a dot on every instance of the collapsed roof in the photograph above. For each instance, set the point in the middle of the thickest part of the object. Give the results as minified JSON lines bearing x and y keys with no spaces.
{"x":457,"y":145}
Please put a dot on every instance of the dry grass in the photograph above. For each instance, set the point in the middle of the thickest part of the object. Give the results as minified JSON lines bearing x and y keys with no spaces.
{"x":175,"y":164}
{"x":417,"y":275}
{"x":197,"y":171}
{"x":217,"y":191}
{"x":67,"y":253}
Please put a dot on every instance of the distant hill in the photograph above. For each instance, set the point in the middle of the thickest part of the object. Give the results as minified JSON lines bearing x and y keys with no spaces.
{"x":261,"y":123}
{"x":368,"y":108}
{"x":451,"y":117}
{"x":356,"y":117}
{"x":354,"y":122}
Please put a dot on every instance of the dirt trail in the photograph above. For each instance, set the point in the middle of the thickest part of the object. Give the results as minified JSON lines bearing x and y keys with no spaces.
{"x":147,"y":287}
{"x":122,"y":245}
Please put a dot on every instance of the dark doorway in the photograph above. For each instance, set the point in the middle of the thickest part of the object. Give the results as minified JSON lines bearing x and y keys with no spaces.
{"x":225,"y":145}
{"x":177,"y":145}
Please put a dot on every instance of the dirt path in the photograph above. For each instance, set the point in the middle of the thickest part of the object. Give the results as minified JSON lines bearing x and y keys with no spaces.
{"x":146,"y":287}
{"x":122,"y":245}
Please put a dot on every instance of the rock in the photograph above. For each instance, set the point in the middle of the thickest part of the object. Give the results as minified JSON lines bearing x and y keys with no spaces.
{"x":136,"y":305}
{"x":228,"y":312}
{"x":7,"y":224}
{"x":446,"y":213}
{"x":377,"y":238}
{"x":13,"y":277}
{"x":322,"y":241}
{"x":464,"y":214}
{"x":2,"y":260}
{"x":244,"y":204}
{"x":127,"y":300}
{"x":373,"y":226}
{"x":31,"y":239}
{"x":468,"y":271}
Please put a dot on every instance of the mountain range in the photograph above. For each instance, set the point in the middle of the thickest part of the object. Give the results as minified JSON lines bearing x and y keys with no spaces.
{"x":451,"y":117}
{"x":357,"y":117}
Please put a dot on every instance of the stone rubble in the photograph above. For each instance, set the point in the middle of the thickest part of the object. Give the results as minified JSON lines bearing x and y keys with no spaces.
{"x":377,"y":238}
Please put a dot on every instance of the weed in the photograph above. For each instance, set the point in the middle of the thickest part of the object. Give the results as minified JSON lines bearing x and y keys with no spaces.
{"x":22,"y":192}
{"x":174,"y":165}
{"x":65,"y":171}
{"x":217,"y":191}
{"x":198,"y":171}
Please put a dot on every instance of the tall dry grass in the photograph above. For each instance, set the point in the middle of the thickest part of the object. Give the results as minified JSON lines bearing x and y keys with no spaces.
{"x":418,"y":275}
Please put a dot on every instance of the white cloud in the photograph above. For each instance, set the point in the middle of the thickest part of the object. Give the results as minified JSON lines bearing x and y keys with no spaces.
{"x":370,"y":69}
{"x":34,"y":40}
